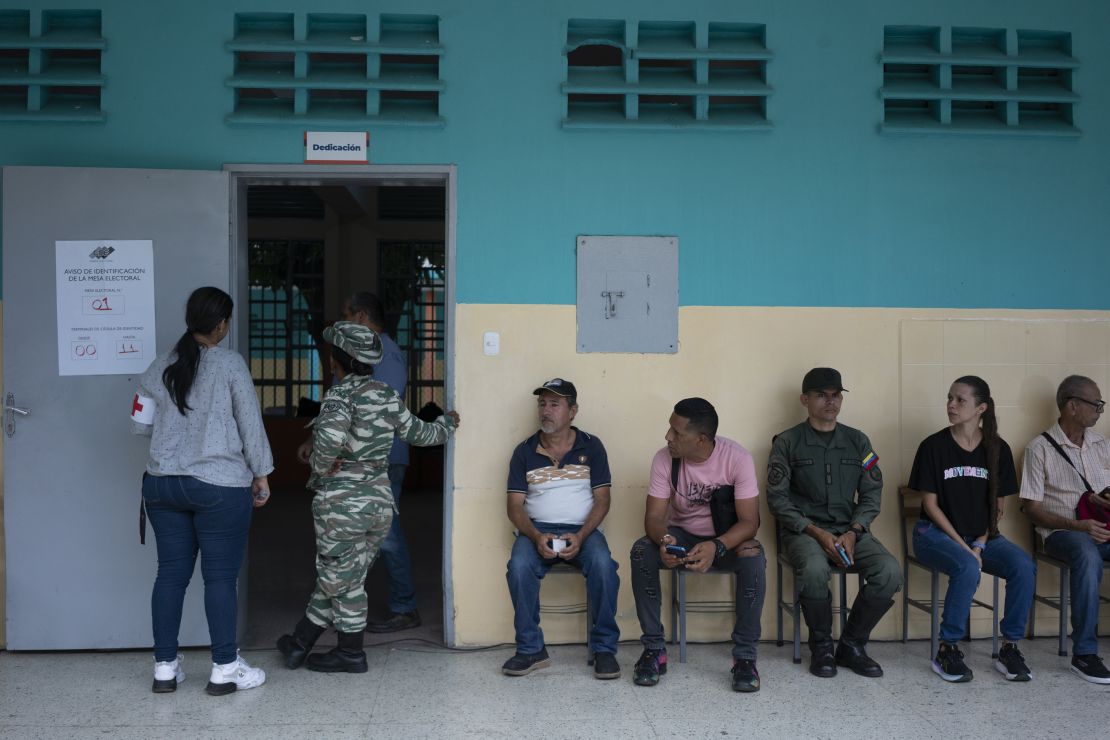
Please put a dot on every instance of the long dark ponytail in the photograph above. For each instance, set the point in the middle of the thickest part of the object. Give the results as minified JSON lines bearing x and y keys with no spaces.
{"x":993,"y":443}
{"x":206,"y":308}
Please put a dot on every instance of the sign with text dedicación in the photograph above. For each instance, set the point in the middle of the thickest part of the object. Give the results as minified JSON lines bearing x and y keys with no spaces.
{"x":105,"y":306}
{"x":336,"y":147}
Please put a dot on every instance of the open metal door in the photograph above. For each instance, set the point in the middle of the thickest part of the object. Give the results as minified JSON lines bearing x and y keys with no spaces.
{"x":77,"y":577}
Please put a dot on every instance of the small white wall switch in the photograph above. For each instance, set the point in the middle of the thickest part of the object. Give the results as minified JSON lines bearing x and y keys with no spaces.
{"x":491,"y":343}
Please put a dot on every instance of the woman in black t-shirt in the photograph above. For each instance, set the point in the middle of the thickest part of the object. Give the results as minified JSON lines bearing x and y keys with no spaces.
{"x":963,"y":472}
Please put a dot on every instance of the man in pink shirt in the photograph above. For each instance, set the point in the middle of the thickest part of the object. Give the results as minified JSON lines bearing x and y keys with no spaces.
{"x":681,"y":516}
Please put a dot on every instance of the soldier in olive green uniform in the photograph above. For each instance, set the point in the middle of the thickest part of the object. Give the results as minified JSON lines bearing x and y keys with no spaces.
{"x":353,"y":505}
{"x":824,"y":487}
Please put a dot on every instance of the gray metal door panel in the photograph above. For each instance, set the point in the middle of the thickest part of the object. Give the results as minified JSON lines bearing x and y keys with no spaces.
{"x":77,"y":576}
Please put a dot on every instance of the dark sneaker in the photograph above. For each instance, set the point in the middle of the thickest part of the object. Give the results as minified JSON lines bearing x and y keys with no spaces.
{"x":745,"y":677}
{"x":606,"y":666}
{"x":949,"y":664}
{"x":522,"y":664}
{"x":1090,"y":667}
{"x":651,"y":665}
{"x":395,"y":622}
{"x":1011,"y":663}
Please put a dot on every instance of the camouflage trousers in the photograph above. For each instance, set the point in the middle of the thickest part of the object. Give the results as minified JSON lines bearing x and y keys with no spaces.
{"x":350,"y":527}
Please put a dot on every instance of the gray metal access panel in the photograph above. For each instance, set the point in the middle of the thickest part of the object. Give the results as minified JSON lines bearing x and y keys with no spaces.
{"x":628,"y":294}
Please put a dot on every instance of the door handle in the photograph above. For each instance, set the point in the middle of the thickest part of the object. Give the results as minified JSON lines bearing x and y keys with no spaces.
{"x":10,"y":412}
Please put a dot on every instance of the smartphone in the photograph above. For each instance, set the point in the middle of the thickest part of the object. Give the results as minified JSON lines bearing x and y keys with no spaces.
{"x":677,"y":551}
{"x":557,"y":545}
{"x":843,"y":554}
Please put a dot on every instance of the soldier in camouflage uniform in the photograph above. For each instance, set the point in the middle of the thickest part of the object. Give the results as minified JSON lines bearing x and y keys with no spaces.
{"x":353,"y":506}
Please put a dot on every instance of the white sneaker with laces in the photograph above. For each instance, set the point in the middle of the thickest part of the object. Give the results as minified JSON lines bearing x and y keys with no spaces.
{"x":234,"y":676}
{"x":167,"y":675}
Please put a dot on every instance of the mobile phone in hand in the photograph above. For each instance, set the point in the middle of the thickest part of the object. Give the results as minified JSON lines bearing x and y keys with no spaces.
{"x":677,"y":551}
{"x":843,"y":553}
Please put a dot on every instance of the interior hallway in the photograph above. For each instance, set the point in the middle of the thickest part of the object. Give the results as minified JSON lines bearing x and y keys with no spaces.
{"x":413,"y":691}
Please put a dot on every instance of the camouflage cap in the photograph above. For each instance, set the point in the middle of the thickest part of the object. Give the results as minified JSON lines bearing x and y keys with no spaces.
{"x":360,"y":342}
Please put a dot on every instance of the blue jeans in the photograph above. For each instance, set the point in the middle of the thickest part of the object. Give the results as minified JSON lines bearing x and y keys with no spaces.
{"x":526,"y":569}
{"x":1000,"y":558}
{"x":190,"y":516}
{"x":395,"y":552}
{"x":1086,"y":558}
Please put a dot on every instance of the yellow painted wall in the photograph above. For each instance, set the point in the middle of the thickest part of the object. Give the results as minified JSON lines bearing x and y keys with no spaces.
{"x":897,"y":364}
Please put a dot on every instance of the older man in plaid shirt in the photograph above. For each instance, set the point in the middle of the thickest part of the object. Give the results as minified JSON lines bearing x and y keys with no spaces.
{"x":1060,"y":465}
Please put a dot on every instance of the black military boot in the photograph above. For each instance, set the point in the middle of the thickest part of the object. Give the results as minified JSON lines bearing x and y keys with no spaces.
{"x":297,"y":646}
{"x":818,"y":614}
{"x":865,"y":614}
{"x":346,"y":657}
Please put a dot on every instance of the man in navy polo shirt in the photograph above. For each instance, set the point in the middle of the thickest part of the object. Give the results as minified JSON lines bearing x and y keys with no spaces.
{"x":558,"y":495}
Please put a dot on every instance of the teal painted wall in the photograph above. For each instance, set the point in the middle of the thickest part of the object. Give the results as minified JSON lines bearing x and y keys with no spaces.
{"x":822,"y":210}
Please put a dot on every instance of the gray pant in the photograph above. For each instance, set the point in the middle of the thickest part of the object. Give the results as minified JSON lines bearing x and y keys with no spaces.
{"x":751,"y":586}
{"x":881,"y":573}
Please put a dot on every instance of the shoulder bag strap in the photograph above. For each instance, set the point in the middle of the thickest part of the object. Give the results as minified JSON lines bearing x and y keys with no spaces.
{"x":676,"y":465}
{"x":1064,"y":455}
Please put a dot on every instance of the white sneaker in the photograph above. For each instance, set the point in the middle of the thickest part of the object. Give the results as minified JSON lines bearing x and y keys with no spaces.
{"x":233,"y":676}
{"x":167,"y":675}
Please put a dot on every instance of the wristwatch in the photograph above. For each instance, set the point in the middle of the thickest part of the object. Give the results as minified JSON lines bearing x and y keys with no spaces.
{"x":721,"y":549}
{"x":858,"y":529}
{"x":977,"y":545}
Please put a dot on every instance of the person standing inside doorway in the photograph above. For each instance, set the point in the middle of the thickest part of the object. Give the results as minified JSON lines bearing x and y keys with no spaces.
{"x":352,"y":507}
{"x":366,"y":309}
{"x":208,"y":453}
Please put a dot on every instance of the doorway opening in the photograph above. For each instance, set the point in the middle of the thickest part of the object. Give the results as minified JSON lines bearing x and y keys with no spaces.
{"x":311,"y":243}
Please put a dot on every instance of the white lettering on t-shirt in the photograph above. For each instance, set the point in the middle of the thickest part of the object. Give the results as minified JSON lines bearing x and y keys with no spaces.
{"x":699,"y":494}
{"x":965,"y":471}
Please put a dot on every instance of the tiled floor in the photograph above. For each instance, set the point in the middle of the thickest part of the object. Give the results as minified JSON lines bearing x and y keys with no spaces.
{"x":416,"y":692}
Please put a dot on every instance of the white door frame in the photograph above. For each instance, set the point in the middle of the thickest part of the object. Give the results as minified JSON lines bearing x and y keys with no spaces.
{"x":243,"y":175}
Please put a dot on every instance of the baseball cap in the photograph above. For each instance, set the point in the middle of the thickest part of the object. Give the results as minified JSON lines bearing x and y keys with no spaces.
{"x":559,"y":387}
{"x":820,"y":378}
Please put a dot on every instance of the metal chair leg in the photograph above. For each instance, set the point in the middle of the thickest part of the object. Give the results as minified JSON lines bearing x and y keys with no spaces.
{"x":1033,"y":612}
{"x":779,"y":608}
{"x":994,"y":619}
{"x":682,"y":617}
{"x":797,"y":624}
{"x":1065,"y":596}
{"x":934,"y":614}
{"x":843,"y":601}
{"x":674,"y":607}
{"x":905,"y":601}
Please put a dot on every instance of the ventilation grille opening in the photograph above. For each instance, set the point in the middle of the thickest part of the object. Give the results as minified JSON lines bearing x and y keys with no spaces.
{"x":978,"y":81}
{"x":666,"y":75}
{"x":52,"y":71}
{"x":336,"y":68}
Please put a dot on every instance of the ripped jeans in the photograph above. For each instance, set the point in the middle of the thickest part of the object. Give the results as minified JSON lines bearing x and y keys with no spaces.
{"x":751,"y":586}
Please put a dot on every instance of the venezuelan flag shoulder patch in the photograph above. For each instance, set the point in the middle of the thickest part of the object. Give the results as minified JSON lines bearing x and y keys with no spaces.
{"x":870,"y":461}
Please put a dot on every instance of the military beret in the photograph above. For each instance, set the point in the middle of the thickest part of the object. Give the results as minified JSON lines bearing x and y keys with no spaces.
{"x":358,"y":341}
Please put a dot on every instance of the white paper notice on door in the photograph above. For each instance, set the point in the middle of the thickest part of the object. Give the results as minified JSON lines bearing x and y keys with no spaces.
{"x":105,"y":306}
